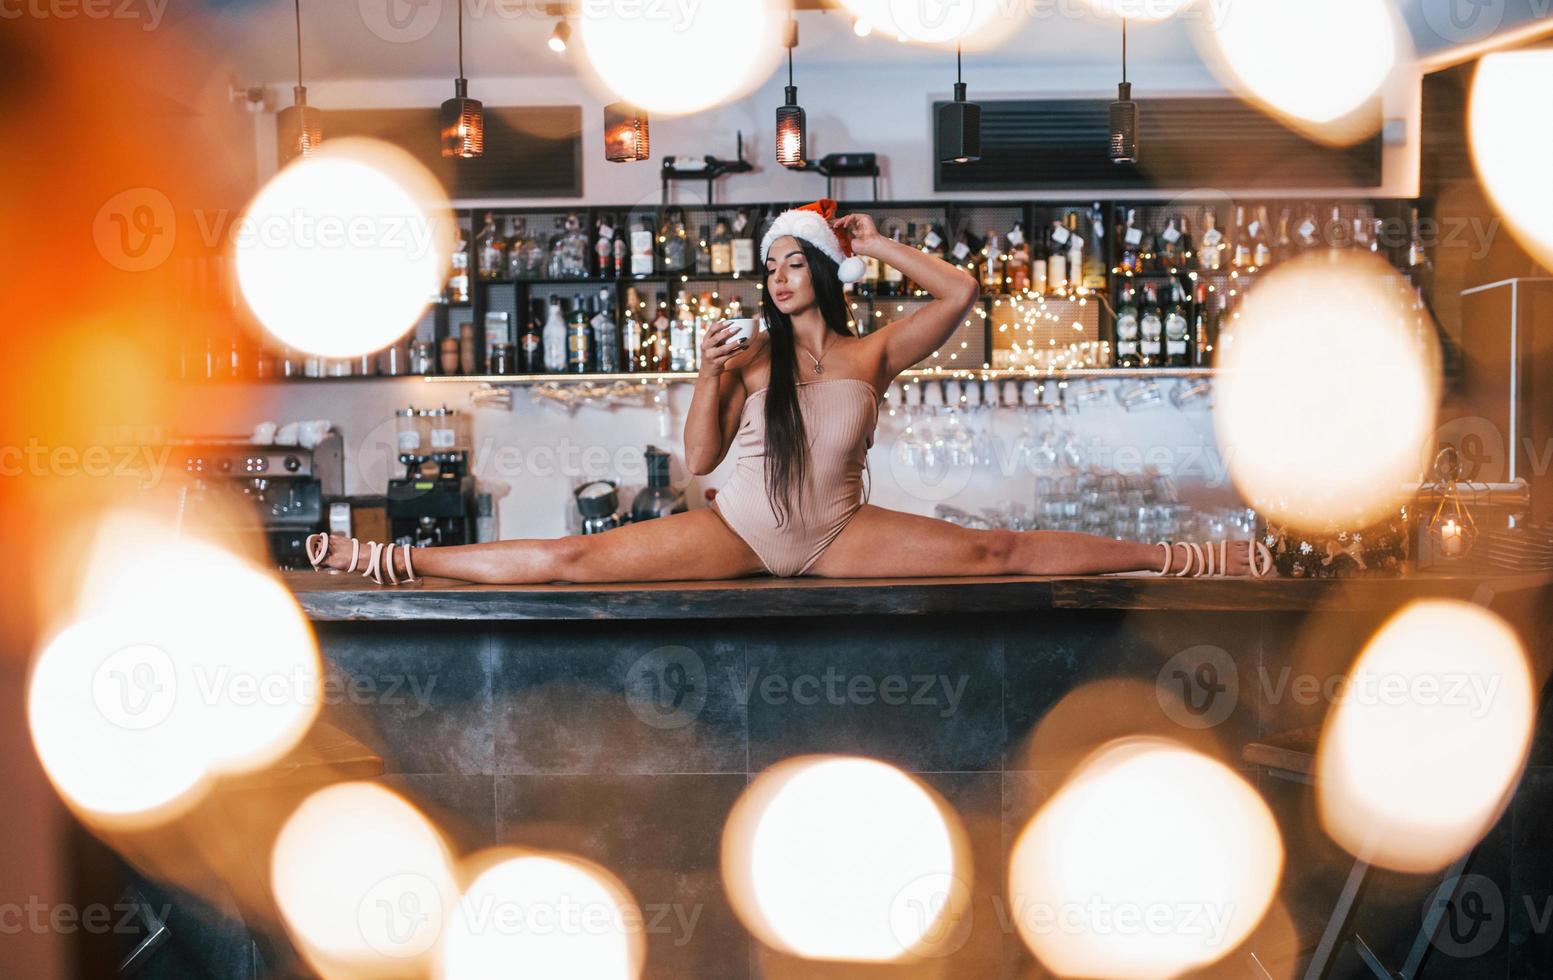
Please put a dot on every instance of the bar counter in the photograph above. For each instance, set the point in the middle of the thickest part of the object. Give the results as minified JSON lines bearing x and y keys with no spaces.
{"x":329,"y":597}
{"x":622,"y":722}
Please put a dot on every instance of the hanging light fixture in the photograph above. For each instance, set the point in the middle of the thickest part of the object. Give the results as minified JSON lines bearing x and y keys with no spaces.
{"x":1124,"y":115}
{"x":299,"y":128}
{"x":626,"y":136}
{"x":559,"y":37}
{"x":463,"y":118}
{"x":791,"y":148}
{"x":959,"y":123}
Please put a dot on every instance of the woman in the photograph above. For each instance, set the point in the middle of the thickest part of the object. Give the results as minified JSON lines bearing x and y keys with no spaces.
{"x":799,"y":407}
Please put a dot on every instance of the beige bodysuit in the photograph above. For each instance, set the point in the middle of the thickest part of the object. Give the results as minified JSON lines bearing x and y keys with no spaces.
{"x":839,"y":418}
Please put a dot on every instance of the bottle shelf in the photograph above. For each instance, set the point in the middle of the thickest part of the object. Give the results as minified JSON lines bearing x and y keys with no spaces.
{"x":684,"y":377}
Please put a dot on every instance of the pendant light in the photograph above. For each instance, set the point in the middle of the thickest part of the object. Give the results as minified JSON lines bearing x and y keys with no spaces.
{"x":463,"y":118}
{"x":959,"y":123}
{"x":559,"y":36}
{"x":626,"y":134}
{"x":1124,"y":115}
{"x":299,"y":128}
{"x":791,"y":148}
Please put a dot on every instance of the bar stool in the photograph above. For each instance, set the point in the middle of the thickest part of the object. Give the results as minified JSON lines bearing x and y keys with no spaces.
{"x":326,"y":756}
{"x":1292,"y":755}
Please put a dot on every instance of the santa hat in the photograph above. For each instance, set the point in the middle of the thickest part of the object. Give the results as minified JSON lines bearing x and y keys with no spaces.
{"x":811,"y":223}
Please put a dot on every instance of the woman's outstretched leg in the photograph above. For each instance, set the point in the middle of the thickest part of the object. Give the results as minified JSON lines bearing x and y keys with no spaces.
{"x":880,"y":543}
{"x":693,"y":545}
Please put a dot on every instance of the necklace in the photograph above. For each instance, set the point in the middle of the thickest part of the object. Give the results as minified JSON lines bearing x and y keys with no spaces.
{"x":824,"y":349}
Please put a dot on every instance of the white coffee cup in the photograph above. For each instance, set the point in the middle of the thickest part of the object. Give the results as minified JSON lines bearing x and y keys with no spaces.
{"x":744,"y":329}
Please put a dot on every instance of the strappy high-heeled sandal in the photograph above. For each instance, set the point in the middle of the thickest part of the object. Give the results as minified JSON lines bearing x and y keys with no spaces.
{"x":1212,"y":560}
{"x":380,"y":559}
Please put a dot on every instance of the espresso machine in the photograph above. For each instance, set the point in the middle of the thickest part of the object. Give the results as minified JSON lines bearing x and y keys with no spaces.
{"x":284,"y":488}
{"x":433,"y":503}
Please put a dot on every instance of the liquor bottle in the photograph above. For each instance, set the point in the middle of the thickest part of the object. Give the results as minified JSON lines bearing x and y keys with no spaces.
{"x":1377,"y":236}
{"x":1017,"y":269}
{"x":458,"y":279}
{"x":893,"y":282}
{"x":1186,"y":247}
{"x":604,"y":247}
{"x":535,"y":258}
{"x":1132,"y":245}
{"x":673,"y":242}
{"x":1094,"y":275}
{"x":492,"y":250}
{"x":1361,"y":236}
{"x":1040,"y":265}
{"x":661,"y":330}
{"x":965,"y":254}
{"x":1202,"y":350}
{"x":1177,"y":345}
{"x":1126,"y":342}
{"x":579,"y":341}
{"x":744,"y":244}
{"x":722,"y":248}
{"x":1057,"y":258}
{"x":1307,"y":232}
{"x":1283,"y":248}
{"x":1210,"y":247}
{"x":1151,"y":326}
{"x":569,"y":251}
{"x":555,"y":338}
{"x":868,"y":286}
{"x":1075,"y":251}
{"x":682,"y":336}
{"x":1419,"y":268}
{"x":993,"y":265}
{"x":631,"y":331}
{"x":1262,"y":252}
{"x":1170,"y":246}
{"x":531,"y":343}
{"x":643,"y":252}
{"x":606,"y":336}
{"x":1338,"y":231}
{"x":517,"y":239}
{"x":622,"y":260}
{"x":1241,"y":255}
{"x":703,"y":251}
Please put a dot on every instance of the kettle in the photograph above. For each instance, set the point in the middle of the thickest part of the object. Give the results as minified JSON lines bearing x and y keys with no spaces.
{"x":598,"y":502}
{"x":657,"y":499}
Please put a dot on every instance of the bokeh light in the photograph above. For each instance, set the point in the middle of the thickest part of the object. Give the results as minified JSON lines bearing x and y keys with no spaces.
{"x":1150,"y":861}
{"x":975,"y":24}
{"x":342,"y":251}
{"x":1315,"y":63}
{"x":842,"y":858}
{"x":1327,"y":398}
{"x":1420,"y":754}
{"x":543,"y":915}
{"x":703,"y":55}
{"x":181,"y":662}
{"x":1510,"y":154}
{"x":364,"y":883}
{"x":1138,"y":10}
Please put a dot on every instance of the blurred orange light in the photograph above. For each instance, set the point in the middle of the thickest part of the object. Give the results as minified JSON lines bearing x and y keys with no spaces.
{"x":1510,"y":150}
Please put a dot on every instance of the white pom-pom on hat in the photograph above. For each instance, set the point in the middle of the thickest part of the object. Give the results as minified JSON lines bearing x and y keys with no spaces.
{"x":811,"y":223}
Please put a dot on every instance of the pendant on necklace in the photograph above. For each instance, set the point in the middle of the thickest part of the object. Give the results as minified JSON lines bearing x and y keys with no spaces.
{"x":818,"y":369}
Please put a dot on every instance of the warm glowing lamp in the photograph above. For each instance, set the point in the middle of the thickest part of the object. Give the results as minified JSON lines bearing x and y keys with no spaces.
{"x":791,"y":148}
{"x":627,"y":137}
{"x":1124,"y":115}
{"x":299,"y":128}
{"x":463,"y":118}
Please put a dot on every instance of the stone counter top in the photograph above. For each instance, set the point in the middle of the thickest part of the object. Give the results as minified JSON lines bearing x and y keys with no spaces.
{"x":327,"y":597}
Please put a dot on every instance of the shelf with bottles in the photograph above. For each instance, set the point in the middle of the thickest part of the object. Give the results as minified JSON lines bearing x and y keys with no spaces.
{"x":940,"y":372}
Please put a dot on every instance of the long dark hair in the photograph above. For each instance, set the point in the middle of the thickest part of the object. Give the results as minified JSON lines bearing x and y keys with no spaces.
{"x":787,"y":445}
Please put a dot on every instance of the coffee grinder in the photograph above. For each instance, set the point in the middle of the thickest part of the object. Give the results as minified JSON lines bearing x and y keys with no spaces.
{"x":658,"y":499}
{"x":433,"y":503}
